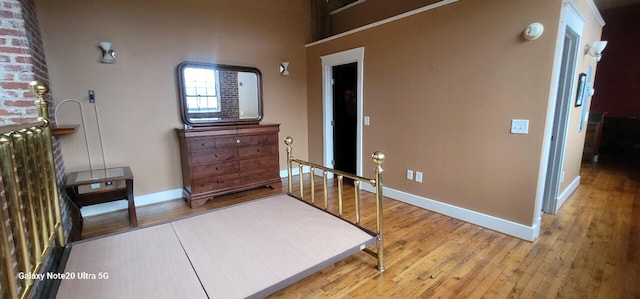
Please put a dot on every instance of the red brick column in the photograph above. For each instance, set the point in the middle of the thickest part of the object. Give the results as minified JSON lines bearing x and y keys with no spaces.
{"x":22,"y":60}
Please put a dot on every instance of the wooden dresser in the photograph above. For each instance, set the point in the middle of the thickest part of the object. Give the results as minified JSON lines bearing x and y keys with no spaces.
{"x":224,"y":159}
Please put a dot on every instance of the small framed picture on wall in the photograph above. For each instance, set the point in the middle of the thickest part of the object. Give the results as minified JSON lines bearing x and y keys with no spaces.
{"x":582,"y":87}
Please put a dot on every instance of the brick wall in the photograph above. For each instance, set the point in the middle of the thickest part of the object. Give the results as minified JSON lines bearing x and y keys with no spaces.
{"x":22,"y":60}
{"x":229,"y":97}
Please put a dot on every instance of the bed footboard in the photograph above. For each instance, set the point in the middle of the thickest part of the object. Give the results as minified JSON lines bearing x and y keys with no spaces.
{"x":378,"y":159}
{"x":29,"y":191}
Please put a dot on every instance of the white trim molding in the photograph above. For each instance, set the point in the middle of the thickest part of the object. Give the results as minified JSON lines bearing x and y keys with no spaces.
{"x":328,"y":61}
{"x":141,"y":200}
{"x":529,"y":233}
{"x":564,"y":195}
{"x":596,"y":12}
{"x":387,"y":20}
{"x":347,"y":6}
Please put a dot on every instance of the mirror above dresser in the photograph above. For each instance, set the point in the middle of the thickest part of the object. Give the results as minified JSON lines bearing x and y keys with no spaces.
{"x":217,"y":94}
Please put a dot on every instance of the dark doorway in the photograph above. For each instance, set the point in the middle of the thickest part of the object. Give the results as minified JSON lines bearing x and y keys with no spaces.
{"x":345,"y":112}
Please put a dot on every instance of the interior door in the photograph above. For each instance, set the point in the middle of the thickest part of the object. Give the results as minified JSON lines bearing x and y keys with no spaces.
{"x":345,"y":115}
{"x":564,"y":99}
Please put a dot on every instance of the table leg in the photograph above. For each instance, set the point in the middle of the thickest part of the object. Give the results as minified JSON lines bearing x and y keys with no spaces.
{"x":76,"y":220}
{"x":133,"y":218}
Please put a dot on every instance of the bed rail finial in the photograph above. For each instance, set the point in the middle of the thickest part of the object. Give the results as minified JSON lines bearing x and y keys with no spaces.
{"x":288,"y":140}
{"x":39,"y":89}
{"x":378,"y":158}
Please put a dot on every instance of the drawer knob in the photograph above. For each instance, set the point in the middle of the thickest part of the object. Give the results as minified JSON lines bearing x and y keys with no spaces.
{"x":238,"y":141}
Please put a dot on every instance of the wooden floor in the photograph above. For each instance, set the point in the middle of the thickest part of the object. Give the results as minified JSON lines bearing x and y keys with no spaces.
{"x":590,"y":249}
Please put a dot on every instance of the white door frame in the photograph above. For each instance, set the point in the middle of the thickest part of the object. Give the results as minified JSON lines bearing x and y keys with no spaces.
{"x":554,"y":157}
{"x":328,"y":62}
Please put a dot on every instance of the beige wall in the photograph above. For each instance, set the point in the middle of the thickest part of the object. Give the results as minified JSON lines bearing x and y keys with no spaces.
{"x":441,"y":88}
{"x":137,"y":96}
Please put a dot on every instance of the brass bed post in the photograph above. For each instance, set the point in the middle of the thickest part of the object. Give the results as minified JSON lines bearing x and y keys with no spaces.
{"x":378,"y":158}
{"x":288,"y":141}
{"x":40,"y":89}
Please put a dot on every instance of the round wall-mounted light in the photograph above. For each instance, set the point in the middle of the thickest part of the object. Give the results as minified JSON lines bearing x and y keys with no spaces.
{"x":533,"y":31}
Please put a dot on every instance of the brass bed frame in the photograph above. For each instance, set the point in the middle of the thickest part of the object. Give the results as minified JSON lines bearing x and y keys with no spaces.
{"x":378,"y":159}
{"x":33,"y":225}
{"x":33,"y":234}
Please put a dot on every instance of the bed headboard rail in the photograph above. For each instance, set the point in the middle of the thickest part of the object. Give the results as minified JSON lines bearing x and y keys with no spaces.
{"x":378,"y":159}
{"x":29,"y":191}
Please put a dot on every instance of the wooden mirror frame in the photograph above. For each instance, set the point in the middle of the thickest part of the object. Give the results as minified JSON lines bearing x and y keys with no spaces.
{"x":233,"y":117}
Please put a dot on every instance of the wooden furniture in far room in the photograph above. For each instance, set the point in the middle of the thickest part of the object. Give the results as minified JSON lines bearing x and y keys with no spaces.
{"x":99,"y":186}
{"x":223,"y":159}
{"x":592,"y":137}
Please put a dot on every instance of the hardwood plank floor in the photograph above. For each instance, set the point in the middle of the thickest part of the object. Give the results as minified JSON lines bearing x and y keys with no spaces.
{"x":590,"y":249}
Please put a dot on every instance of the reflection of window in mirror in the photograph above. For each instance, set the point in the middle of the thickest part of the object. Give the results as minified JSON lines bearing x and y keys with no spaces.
{"x":219,"y":94}
{"x":201,"y":90}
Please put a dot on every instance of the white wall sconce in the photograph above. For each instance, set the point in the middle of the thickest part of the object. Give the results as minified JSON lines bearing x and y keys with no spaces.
{"x":108,"y":55}
{"x":284,"y":68}
{"x":595,"y":49}
{"x":533,"y":31}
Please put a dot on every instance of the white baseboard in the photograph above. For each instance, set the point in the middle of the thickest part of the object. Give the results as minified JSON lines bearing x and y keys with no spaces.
{"x":567,"y":192}
{"x":141,"y":200}
{"x":521,"y":231}
{"x":295,"y":170}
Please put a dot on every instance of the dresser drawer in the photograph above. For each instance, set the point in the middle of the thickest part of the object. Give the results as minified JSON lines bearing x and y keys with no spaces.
{"x":215,"y":183}
{"x":217,"y":169}
{"x":259,"y":175}
{"x":233,"y":142}
{"x":215,"y":156}
{"x":260,"y":163}
{"x":202,"y":144}
{"x":257,"y":151}
{"x":268,"y":139}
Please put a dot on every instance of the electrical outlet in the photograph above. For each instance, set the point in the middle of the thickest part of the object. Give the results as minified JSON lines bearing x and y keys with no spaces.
{"x":418,"y":176}
{"x":519,"y":126}
{"x":409,"y":174}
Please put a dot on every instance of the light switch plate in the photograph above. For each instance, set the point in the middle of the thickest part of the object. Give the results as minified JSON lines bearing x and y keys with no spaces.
{"x":418,"y":176}
{"x":366,"y":120}
{"x":519,"y":126}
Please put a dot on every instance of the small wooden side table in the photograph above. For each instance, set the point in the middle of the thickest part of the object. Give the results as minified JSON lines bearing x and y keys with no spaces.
{"x":99,"y":186}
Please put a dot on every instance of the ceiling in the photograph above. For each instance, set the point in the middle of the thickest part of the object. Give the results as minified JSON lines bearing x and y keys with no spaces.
{"x":601,"y":4}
